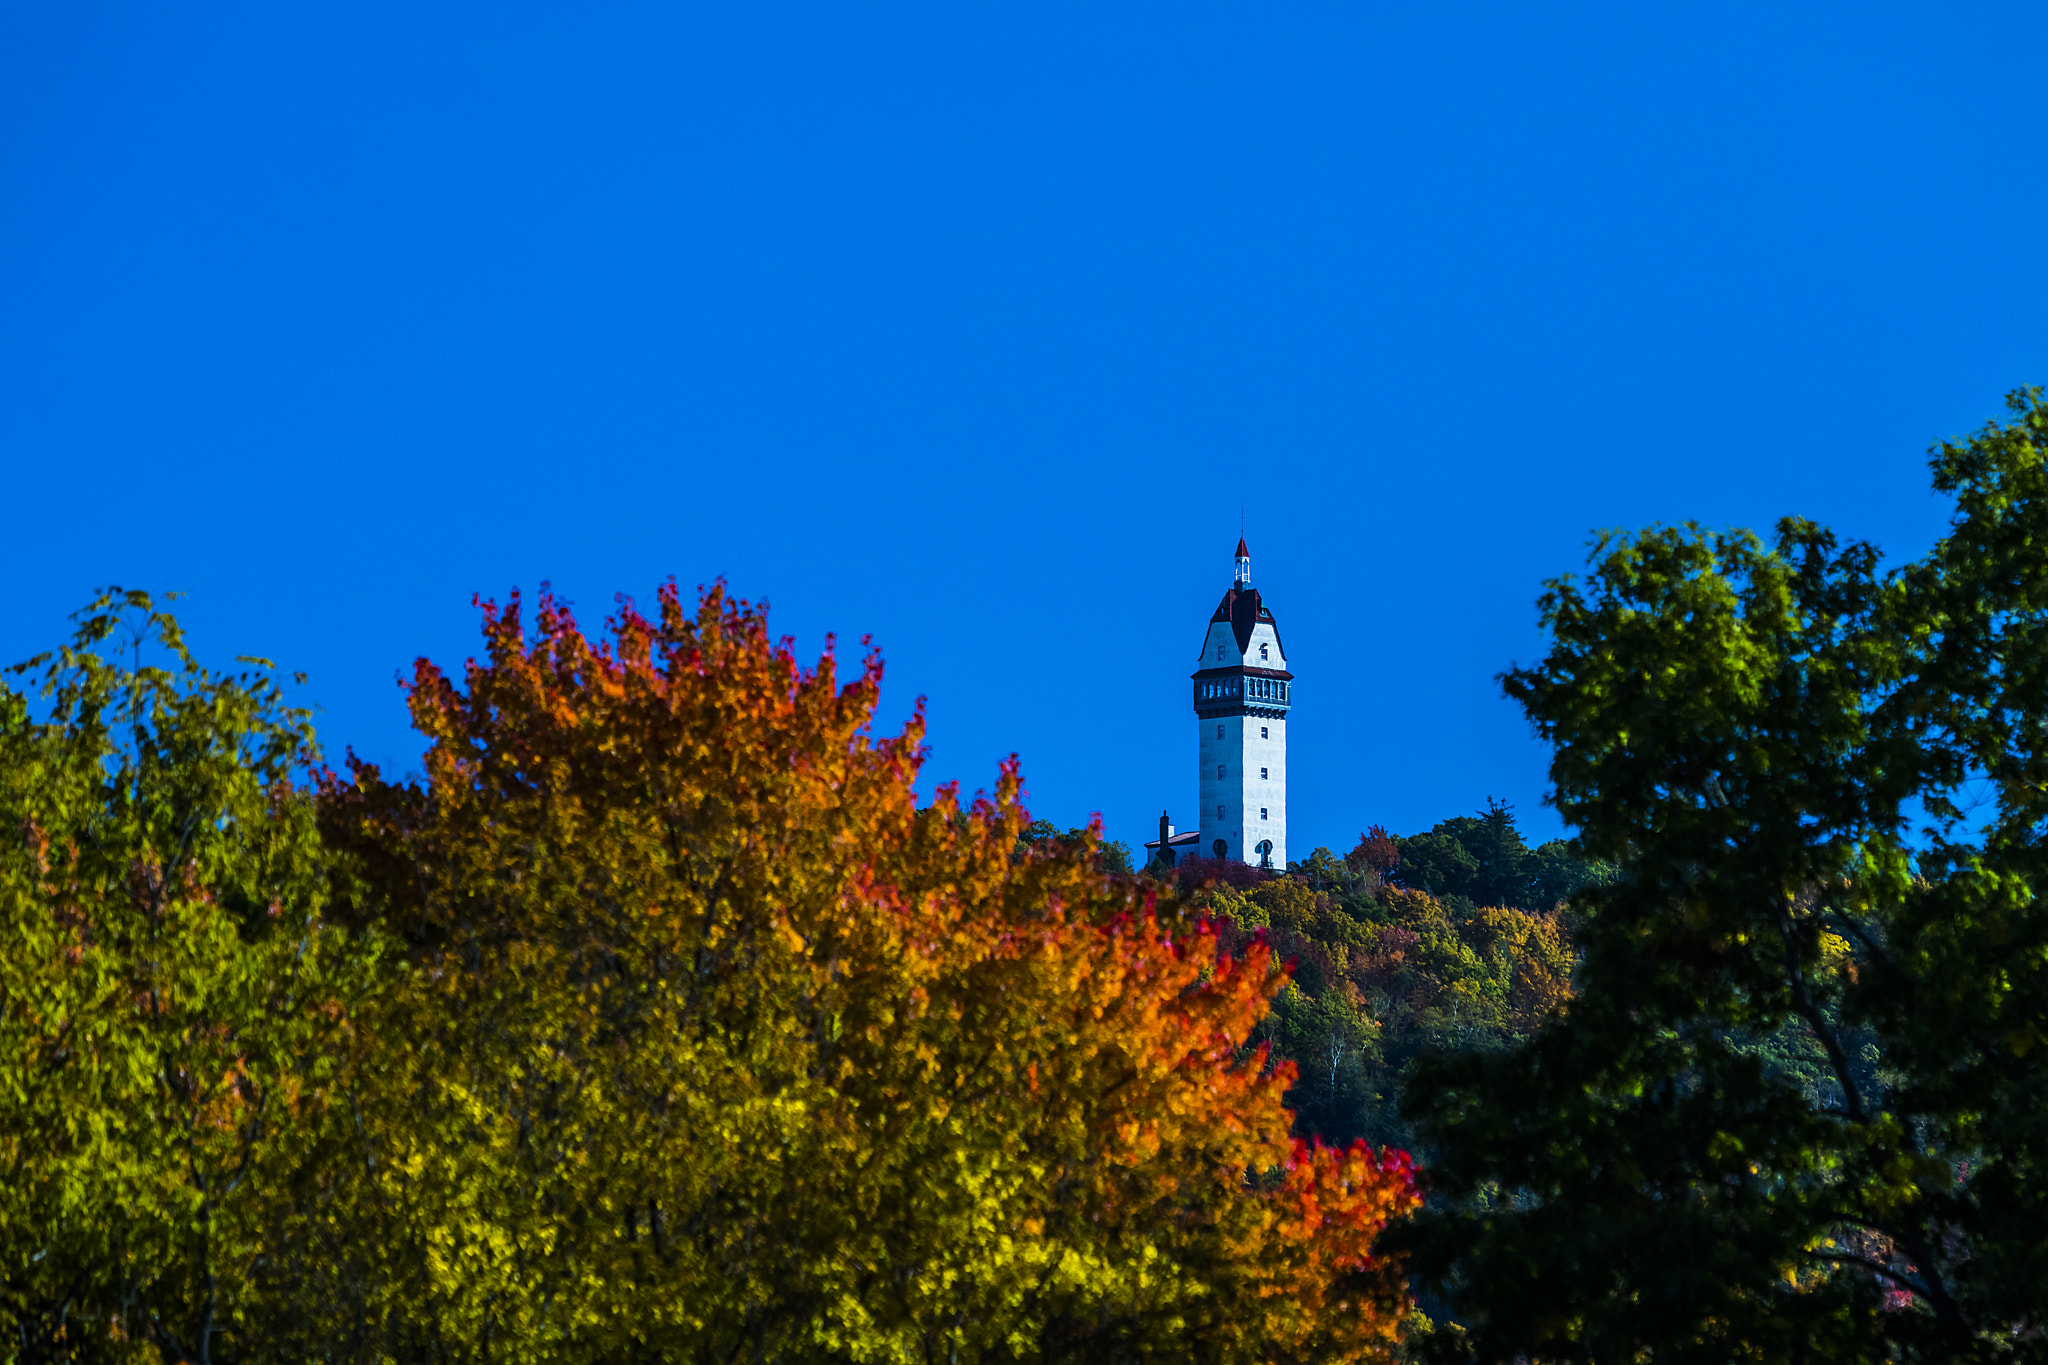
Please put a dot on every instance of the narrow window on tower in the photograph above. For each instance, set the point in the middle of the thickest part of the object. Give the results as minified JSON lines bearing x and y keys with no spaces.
{"x":1219,"y":732}
{"x":1262,"y":812}
{"x":1262,"y":652}
{"x":1219,"y":770}
{"x":1262,"y":732}
{"x":1262,"y":774}
{"x":1219,"y":816}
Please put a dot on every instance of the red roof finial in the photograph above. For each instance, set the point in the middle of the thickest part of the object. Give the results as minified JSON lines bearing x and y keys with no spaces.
{"x":1242,"y":552}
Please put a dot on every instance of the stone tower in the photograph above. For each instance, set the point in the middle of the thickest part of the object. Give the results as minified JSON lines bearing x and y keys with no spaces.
{"x":1242,"y":694}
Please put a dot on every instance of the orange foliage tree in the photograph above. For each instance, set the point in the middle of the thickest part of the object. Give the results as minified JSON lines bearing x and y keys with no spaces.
{"x":714,"y":1043}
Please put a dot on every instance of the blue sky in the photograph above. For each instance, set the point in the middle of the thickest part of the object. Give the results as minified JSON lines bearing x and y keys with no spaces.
{"x":976,"y":328}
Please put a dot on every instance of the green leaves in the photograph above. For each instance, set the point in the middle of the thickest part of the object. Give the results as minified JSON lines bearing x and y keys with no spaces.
{"x":172,"y":1007}
{"x":1794,"y":1112}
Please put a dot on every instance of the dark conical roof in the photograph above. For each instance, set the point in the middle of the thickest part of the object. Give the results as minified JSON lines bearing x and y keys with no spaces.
{"x":1244,"y":610}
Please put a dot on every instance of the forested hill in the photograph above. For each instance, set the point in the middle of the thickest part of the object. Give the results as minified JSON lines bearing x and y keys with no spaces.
{"x":1454,"y":938}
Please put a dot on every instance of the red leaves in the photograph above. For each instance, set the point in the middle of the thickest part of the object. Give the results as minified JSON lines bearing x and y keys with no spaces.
{"x":1376,"y":849}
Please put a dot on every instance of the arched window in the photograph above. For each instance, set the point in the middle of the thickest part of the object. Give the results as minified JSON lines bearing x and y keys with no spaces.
{"x":1220,"y":847}
{"x":1262,"y":651}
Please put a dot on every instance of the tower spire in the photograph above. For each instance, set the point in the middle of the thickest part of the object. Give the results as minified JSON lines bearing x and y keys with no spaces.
{"x":1243,"y":576}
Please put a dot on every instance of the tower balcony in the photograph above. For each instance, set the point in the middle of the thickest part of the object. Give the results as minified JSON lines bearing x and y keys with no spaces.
{"x":1243,"y":691}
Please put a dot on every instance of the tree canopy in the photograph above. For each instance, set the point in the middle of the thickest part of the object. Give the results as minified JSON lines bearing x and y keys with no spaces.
{"x":1797,"y":1109}
{"x":1481,"y":859}
{"x":655,"y":1020}
{"x":174,"y":1011}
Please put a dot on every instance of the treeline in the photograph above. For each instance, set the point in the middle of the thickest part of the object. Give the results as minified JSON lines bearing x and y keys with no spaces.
{"x":657,"y":1021}
{"x":654,"y":1021}
{"x":1453,"y":940}
{"x":1458,"y":938}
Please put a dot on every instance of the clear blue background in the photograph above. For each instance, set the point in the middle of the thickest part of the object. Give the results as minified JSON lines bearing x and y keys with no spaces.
{"x":975,"y":327}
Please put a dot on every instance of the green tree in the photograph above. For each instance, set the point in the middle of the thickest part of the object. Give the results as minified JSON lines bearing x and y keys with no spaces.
{"x":1798,"y":1110}
{"x":1481,"y":859}
{"x":174,"y":1011}
{"x":1111,"y":855}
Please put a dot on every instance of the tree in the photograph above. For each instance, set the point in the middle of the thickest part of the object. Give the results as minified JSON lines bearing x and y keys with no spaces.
{"x":714,"y":1044}
{"x":1481,"y":859}
{"x":1110,"y":856}
{"x":1374,"y":858}
{"x":1798,"y":1109}
{"x":174,"y":1010}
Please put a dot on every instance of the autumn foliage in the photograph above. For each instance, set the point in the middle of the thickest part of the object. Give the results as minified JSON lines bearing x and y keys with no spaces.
{"x":726,"y":1047}
{"x":656,"y":1020}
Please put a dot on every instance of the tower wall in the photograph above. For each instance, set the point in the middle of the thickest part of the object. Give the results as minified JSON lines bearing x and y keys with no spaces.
{"x":1242,"y":807}
{"x":1242,"y":744}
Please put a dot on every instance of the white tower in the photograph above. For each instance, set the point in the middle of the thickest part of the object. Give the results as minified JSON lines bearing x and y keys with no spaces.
{"x":1242,"y":693}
